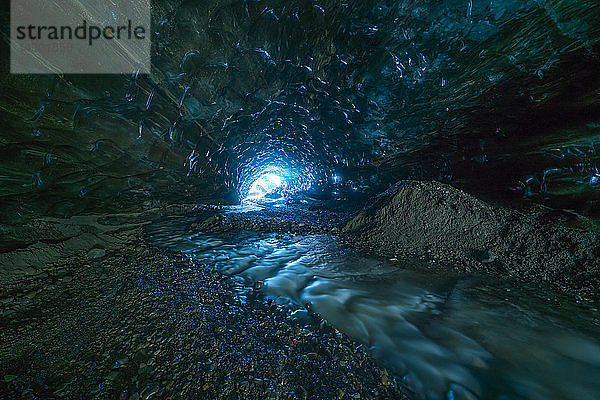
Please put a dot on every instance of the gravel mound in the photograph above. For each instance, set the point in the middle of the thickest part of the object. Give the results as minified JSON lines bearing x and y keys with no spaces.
{"x":445,"y":228}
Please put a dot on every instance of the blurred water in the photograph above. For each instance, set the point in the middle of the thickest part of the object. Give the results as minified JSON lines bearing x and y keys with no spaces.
{"x":449,"y":338}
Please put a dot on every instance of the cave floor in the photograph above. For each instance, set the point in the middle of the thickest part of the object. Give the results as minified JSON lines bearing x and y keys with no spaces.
{"x":135,"y":322}
{"x":93,"y":307}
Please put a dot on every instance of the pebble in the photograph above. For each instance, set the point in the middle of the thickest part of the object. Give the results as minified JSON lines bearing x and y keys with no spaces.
{"x":112,"y":376}
{"x":96,"y":253}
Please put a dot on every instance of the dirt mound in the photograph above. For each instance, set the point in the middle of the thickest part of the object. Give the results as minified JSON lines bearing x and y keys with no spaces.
{"x":449,"y":228}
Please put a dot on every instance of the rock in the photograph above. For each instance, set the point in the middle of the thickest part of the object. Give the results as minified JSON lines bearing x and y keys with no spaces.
{"x":96,"y":253}
{"x":30,"y":295}
{"x":384,"y":378}
{"x":112,"y":376}
{"x":488,"y":257}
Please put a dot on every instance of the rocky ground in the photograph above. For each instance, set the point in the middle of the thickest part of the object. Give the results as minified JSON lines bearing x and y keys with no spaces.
{"x":299,"y":219}
{"x":438,"y":226}
{"x":95,"y":313}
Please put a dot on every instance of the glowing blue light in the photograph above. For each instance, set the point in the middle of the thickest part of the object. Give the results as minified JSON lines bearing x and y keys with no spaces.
{"x":268,"y":186}
{"x":275,"y":184}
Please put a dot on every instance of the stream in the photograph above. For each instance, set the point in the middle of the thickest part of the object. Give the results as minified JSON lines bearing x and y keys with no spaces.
{"x":448,"y":337}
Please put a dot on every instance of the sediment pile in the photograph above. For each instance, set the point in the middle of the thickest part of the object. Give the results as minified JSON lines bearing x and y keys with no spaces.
{"x":451,"y":230}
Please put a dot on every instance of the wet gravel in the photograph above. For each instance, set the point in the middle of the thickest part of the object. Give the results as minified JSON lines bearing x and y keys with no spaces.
{"x":139,"y":323}
{"x":299,"y":219}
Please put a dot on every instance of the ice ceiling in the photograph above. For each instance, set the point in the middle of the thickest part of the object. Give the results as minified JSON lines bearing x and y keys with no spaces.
{"x":497,"y":97}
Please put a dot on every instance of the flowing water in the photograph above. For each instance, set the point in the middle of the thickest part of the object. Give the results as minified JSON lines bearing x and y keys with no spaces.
{"x":448,"y":337}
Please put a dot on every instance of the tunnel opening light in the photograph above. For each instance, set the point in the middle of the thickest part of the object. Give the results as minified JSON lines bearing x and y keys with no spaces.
{"x":269,"y":186}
